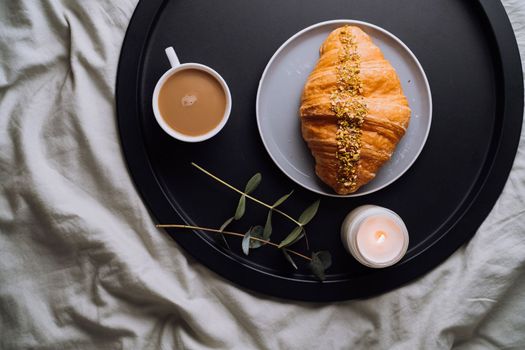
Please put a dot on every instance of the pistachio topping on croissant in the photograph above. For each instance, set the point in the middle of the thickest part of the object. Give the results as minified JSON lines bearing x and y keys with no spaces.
{"x":353,"y":110}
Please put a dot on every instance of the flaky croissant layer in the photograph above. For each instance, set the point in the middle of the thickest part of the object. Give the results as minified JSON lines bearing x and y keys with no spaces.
{"x":353,"y":110}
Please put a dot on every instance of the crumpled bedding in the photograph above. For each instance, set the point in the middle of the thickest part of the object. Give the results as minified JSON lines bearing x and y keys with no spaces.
{"x":83,"y":267}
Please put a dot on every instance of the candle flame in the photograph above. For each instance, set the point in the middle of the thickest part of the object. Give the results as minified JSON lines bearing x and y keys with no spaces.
{"x":380,"y":236}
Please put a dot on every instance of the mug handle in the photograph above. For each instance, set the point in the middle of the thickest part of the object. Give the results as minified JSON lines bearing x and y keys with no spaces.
{"x":172,"y":57}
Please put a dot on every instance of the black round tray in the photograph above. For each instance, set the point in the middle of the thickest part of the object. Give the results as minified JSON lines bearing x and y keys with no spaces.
{"x":469,"y":54}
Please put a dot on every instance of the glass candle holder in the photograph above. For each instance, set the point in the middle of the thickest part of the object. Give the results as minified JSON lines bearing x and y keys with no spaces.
{"x":375,"y":236}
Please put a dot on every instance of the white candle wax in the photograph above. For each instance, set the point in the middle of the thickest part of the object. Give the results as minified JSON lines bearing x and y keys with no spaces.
{"x":377,"y":237}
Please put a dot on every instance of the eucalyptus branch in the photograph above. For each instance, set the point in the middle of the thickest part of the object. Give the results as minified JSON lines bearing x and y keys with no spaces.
{"x":247,"y":195}
{"x":232,"y":234}
{"x":287,"y":216}
{"x":259,"y":235}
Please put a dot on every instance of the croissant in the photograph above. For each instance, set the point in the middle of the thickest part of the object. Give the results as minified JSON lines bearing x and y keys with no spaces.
{"x":353,"y":111}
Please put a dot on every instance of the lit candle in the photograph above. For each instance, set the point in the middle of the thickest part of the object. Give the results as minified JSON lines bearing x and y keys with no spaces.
{"x":376,"y":237}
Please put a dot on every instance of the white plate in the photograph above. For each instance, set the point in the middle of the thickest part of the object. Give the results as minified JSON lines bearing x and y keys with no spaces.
{"x":279,"y":97}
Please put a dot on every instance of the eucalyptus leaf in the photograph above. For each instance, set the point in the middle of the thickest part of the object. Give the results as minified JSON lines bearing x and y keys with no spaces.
{"x":309,"y":213}
{"x":320,"y":262}
{"x":289,"y":258}
{"x":226,"y":244}
{"x":316,"y":266}
{"x":281,"y":200}
{"x":253,"y":183}
{"x":241,"y":207}
{"x":226,"y":223}
{"x":256,"y":232}
{"x":298,"y":238}
{"x":223,"y":226}
{"x":296,"y":232}
{"x":325,"y":257}
{"x":246,"y":242}
{"x":268,"y":226}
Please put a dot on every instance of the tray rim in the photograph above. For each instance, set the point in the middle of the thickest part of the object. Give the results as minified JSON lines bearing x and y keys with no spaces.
{"x":509,"y":75}
{"x":366,"y":25}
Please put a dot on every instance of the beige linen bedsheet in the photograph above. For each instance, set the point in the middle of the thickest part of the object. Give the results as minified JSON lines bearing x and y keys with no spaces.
{"x":83,"y":267}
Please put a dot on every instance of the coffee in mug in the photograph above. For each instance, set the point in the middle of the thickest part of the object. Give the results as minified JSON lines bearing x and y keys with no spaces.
{"x":191,"y":102}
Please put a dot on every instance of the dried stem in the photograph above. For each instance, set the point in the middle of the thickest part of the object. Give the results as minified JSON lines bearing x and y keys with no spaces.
{"x":231,"y":234}
{"x":247,"y":195}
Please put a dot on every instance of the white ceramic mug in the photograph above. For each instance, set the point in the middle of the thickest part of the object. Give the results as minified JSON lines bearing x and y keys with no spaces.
{"x":176,"y":66}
